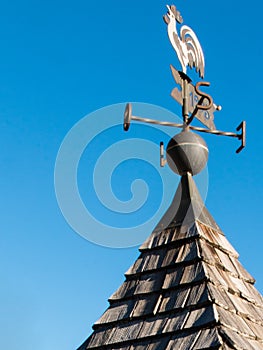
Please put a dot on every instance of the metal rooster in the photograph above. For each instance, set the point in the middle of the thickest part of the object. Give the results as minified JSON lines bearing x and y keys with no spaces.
{"x":187,"y":47}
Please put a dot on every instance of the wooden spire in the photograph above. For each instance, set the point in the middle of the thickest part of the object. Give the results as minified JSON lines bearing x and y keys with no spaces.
{"x":186,"y":291}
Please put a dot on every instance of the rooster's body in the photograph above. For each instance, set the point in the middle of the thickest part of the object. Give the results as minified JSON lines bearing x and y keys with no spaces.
{"x":187,"y":47}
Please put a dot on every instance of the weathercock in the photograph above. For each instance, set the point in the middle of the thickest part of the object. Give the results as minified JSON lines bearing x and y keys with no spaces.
{"x":187,"y":47}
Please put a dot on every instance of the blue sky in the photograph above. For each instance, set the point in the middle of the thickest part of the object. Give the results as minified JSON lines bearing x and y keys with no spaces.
{"x":61,"y":61}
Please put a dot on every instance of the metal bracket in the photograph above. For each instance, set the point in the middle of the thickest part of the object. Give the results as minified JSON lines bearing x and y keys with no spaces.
{"x":127,"y":116}
{"x":242,"y":136}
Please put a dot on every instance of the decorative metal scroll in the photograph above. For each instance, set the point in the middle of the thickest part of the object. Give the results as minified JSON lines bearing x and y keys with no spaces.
{"x":199,"y":104}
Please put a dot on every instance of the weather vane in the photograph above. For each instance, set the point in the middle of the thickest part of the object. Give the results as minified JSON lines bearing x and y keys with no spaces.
{"x":195,"y":103}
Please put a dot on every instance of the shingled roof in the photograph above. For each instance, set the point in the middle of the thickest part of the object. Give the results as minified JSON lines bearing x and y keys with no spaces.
{"x":186,"y":291}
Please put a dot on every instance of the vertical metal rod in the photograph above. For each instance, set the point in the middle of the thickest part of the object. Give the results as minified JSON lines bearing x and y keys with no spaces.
{"x":185,"y":101}
{"x":242,"y":137}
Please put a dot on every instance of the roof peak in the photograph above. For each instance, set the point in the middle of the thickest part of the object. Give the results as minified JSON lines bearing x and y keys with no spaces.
{"x":187,"y":207}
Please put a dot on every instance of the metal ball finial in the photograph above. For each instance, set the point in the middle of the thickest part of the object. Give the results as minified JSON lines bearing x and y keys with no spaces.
{"x":187,"y":152}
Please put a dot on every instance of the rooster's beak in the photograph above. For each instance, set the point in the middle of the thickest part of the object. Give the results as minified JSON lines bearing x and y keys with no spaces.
{"x":167,"y":17}
{"x":169,"y":8}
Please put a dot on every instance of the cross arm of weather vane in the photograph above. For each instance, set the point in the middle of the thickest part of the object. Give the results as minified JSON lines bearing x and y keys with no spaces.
{"x":128,"y":117}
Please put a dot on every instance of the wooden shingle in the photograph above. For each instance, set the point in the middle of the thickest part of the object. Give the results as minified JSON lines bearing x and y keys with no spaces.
{"x":186,"y":291}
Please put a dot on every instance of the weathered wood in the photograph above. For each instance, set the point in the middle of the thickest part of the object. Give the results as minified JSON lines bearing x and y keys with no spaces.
{"x":187,"y":290}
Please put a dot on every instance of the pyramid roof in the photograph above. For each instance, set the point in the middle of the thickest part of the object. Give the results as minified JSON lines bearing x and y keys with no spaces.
{"x":187,"y":290}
